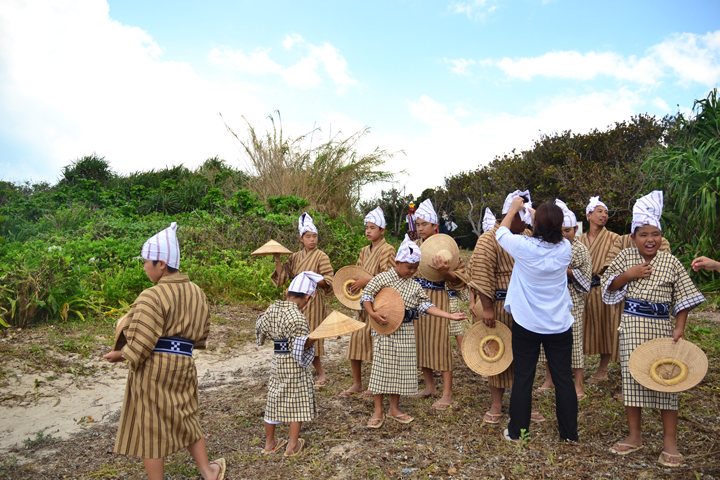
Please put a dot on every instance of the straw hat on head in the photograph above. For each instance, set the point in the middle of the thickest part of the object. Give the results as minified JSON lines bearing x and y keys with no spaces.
{"x":335,"y":325}
{"x":441,"y":244}
{"x":488,"y":351}
{"x":120,"y":339}
{"x":388,"y":302}
{"x":663,"y":366}
{"x":271,"y":248}
{"x":343,"y":278}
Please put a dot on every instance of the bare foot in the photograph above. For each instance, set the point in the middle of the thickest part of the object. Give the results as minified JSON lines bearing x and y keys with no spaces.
{"x":427,"y":393}
{"x":598,"y":376}
{"x":545,"y":387}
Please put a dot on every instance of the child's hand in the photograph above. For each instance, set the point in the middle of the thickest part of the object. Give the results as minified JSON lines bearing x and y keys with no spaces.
{"x":357,"y":285}
{"x":678,"y":333}
{"x":440,"y":264}
{"x":458,"y":316}
{"x":640,"y":271}
{"x":379,"y":318}
{"x":488,"y":317}
{"x":705,"y":263}
{"x":114,"y":356}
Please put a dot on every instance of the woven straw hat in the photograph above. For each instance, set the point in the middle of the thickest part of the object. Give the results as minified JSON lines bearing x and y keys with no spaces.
{"x":685,"y":354}
{"x":388,"y":302}
{"x":343,"y":276}
{"x":471,"y":348}
{"x":271,"y":248}
{"x":335,"y":325}
{"x":440,"y":243}
{"x":120,"y":339}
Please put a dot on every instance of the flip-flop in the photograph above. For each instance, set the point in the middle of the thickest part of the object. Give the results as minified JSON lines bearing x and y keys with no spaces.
{"x":301,"y":442}
{"x":442,"y":406}
{"x":428,"y":395}
{"x":630,"y":449}
{"x":537,"y":417}
{"x":493,"y":418}
{"x":405,"y":420}
{"x":592,"y":379}
{"x":220,"y":462}
{"x":379,"y":422}
{"x":543,"y":389}
{"x":347,"y":393}
{"x":319,"y":384}
{"x":581,"y":396}
{"x":661,"y":460}
{"x":367,"y":394}
{"x":280,"y":443}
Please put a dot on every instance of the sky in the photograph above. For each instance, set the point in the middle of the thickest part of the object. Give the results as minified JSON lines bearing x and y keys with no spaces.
{"x":446,"y":84}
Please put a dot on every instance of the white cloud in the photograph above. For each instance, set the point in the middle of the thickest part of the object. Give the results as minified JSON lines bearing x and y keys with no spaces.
{"x":661,"y":104}
{"x":291,"y":40}
{"x":256,"y":63}
{"x":459,"y":65}
{"x":692,"y":58}
{"x":477,"y":9}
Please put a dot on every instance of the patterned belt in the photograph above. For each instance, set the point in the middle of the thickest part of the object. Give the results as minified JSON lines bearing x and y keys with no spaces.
{"x":641,"y":308}
{"x":500,"y":295}
{"x":452,"y":293}
{"x":282,"y":347}
{"x":595,"y":281}
{"x":176,"y":345}
{"x":428,"y":285}
{"x":410,"y":315}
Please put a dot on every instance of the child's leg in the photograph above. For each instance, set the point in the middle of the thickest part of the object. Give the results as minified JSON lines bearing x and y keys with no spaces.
{"x":578,"y":372}
{"x":293,"y":446}
{"x":548,"y":384}
{"x":447,"y":396}
{"x":634,"y":417}
{"x":321,"y":373}
{"x":459,"y":340}
{"x":378,"y":399}
{"x":154,"y":468}
{"x":199,"y":454}
{"x":601,"y":372}
{"x":670,"y":420}
{"x":270,"y":442}
{"x":356,"y":366}
{"x":496,"y":395}
{"x":430,"y":388}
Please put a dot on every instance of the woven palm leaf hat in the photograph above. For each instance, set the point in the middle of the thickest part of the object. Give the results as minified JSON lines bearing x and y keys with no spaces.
{"x":677,"y":367}
{"x":342,"y":280}
{"x":271,"y":248}
{"x":441,"y":244}
{"x":335,"y":325}
{"x":388,"y":302}
{"x":120,"y":339}
{"x":488,"y":351}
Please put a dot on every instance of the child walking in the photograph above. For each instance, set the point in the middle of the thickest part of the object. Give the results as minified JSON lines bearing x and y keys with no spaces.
{"x":291,"y":396}
{"x":653,"y":284}
{"x":394,"y":368}
{"x":163,"y":327}
{"x":311,"y":259}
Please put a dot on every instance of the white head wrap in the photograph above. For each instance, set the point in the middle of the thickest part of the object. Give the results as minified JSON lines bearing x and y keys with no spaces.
{"x":647,"y":210}
{"x":426,"y":212}
{"x":408,"y":252}
{"x":489,"y":220}
{"x":525,"y":214}
{"x":305,"y":282}
{"x":163,"y":246}
{"x":569,"y":218}
{"x":376,"y":217}
{"x":594,"y":203}
{"x":305,"y":224}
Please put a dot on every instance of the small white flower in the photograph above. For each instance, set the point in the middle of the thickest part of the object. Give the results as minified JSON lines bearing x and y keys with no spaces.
{"x":54,"y":247}
{"x":92,"y":260}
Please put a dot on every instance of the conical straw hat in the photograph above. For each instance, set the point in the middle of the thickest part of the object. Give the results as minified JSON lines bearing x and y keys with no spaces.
{"x":388,"y":302}
{"x":271,"y":248}
{"x":471,"y":348}
{"x":685,"y":353}
{"x":442,"y":244}
{"x":335,"y":325}
{"x":344,"y":275}
{"x":120,"y":339}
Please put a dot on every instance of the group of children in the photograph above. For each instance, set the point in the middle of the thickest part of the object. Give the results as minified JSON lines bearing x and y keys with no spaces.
{"x":169,"y":320}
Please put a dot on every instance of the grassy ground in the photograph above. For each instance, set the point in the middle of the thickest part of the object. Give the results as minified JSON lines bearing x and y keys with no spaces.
{"x":452,"y":444}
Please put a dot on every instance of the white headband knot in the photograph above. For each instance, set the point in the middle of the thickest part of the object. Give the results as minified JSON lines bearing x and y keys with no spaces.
{"x":489,"y":220}
{"x":305,"y":224}
{"x":525,"y":214}
{"x":594,"y":203}
{"x":163,"y":246}
{"x":377,"y":217}
{"x":305,"y":282}
{"x":569,"y":218}
{"x":408,"y":252}
{"x":648,"y":210}
{"x":426,"y":212}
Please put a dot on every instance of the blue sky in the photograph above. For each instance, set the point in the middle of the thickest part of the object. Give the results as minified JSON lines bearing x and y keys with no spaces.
{"x":449,"y":83}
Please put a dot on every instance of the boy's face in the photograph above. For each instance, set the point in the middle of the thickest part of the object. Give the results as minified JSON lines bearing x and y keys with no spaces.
{"x":599,"y":216}
{"x":310,"y":240}
{"x":647,"y":239}
{"x":154,"y":272}
{"x":405,"y":269}
{"x":425,"y":229}
{"x":569,"y":232}
{"x":373,"y":232}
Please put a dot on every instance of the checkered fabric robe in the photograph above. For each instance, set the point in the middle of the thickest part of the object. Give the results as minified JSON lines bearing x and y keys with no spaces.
{"x":160,"y":409}
{"x":599,"y":323}
{"x":291,"y":396}
{"x":394,"y":368}
{"x":433,"y":337}
{"x":313,"y":261}
{"x":491,"y":270}
{"x":374,"y":260}
{"x":668,"y":283}
{"x":456,"y":328}
{"x":578,"y":286}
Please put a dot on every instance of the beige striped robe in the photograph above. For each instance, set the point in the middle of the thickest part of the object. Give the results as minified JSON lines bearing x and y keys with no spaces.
{"x":432,"y":335}
{"x":313,"y":261}
{"x":160,"y":408}
{"x":491,"y":270}
{"x":374,"y":260}
{"x":600,"y":323}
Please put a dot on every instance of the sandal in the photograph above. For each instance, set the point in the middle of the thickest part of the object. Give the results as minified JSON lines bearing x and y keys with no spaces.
{"x":367,"y":394}
{"x":442,"y":406}
{"x":301,"y":442}
{"x":664,"y":463}
{"x":320,"y":384}
{"x":492,"y":418}
{"x":537,"y":417}
{"x":402,"y":418}
{"x":347,"y":393}
{"x":581,"y":396}
{"x":278,"y":445}
{"x":220,"y":462}
{"x":630,"y":448}
{"x":594,"y":379}
{"x":543,"y":389}
{"x":375,"y":422}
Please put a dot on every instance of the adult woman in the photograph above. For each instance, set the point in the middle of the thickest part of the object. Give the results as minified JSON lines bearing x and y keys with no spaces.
{"x":539,"y":301}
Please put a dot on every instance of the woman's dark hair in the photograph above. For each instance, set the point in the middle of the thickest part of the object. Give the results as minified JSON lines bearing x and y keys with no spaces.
{"x":548,"y":223}
{"x":169,"y":268}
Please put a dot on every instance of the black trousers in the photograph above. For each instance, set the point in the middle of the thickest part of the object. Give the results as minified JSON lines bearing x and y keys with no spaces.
{"x":558,"y":351}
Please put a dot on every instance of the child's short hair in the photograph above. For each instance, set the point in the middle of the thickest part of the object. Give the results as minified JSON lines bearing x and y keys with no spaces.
{"x":295,"y":295}
{"x":169,"y":268}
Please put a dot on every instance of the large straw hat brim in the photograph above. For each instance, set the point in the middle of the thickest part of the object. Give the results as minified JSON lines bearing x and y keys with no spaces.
{"x":335,"y":325}
{"x":643,"y":357}
{"x":471,"y":348}
{"x":388,"y":302}
{"x":431,"y":247}
{"x":120,"y":339}
{"x":271,"y":248}
{"x":342,"y":276}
